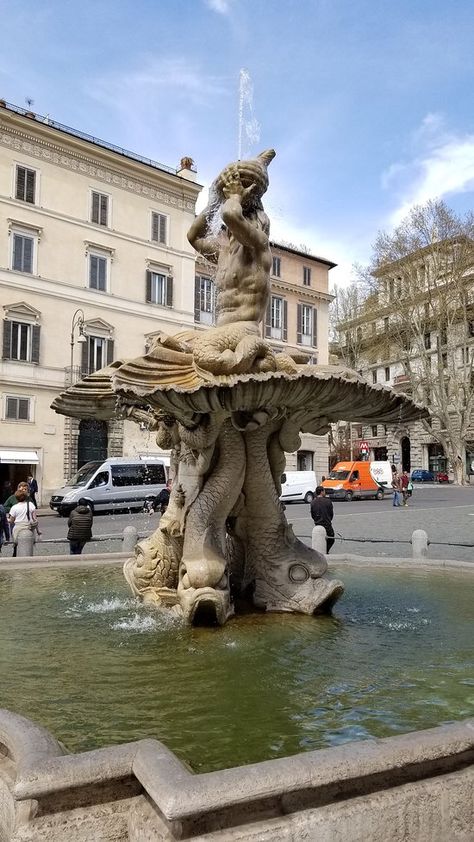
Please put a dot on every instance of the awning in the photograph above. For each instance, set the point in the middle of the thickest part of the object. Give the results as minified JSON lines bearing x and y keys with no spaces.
{"x":18,"y":457}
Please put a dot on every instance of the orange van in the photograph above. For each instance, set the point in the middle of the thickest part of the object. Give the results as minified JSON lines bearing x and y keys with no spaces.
{"x":349,"y":480}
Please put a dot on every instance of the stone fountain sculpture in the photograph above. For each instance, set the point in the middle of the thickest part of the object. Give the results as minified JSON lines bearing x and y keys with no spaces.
{"x":228,"y":407}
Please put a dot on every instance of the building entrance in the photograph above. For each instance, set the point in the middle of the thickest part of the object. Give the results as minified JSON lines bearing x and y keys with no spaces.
{"x":406,"y":453}
{"x":93,"y":441}
{"x":304,"y":460}
{"x":437,"y":460}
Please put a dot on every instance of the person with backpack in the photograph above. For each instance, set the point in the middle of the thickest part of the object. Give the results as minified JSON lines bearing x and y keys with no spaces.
{"x":80,"y":527}
{"x":22,"y":515}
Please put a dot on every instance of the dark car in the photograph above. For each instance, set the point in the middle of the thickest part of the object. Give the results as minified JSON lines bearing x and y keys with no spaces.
{"x":420,"y":475}
{"x":442,"y":476}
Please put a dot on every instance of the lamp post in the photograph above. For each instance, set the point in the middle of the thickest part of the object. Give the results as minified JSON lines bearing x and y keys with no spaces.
{"x":77,"y":322}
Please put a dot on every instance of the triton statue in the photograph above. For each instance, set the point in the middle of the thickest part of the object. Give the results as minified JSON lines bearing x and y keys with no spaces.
{"x":228,"y":407}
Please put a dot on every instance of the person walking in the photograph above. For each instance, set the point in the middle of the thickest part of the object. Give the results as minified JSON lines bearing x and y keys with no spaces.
{"x":322,"y":513}
{"x":32,"y":490}
{"x":22,"y":516}
{"x":80,"y":527}
{"x":4,"y":527}
{"x":396,"y":485}
{"x":13,"y":498}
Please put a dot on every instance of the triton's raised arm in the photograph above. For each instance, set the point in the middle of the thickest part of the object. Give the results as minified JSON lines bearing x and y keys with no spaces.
{"x":236,"y":197}
{"x":199,"y":237}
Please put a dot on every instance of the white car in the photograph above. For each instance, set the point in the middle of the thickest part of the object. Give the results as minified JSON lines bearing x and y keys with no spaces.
{"x":298,"y":485}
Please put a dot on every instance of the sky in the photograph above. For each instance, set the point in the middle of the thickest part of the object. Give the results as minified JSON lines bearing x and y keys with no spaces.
{"x":368,"y":103}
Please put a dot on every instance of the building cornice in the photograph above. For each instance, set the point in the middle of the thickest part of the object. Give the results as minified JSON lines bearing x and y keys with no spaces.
{"x":302,"y":292}
{"x":102,"y":167}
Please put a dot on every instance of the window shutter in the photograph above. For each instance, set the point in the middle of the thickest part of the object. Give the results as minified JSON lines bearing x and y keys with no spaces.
{"x":27,"y":255}
{"x":35,"y":344}
{"x":84,"y":358}
{"x":92,"y":271}
{"x":169,"y":291}
{"x":102,"y":264}
{"x":17,"y":252}
{"x":163,"y":226}
{"x":20,"y":183}
{"x":268,"y":318}
{"x":95,"y":207}
{"x":197,"y":298}
{"x":7,"y":339}
{"x":299,"y":323}
{"x":23,"y":409}
{"x":285,"y":320}
{"x":104,"y":203}
{"x":30,"y":186}
{"x":110,"y":351}
{"x":315,"y":327}
{"x":154,"y":227}
{"x":148,"y":287}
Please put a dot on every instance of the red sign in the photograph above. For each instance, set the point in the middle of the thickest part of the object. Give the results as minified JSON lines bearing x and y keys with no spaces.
{"x":364,"y":445}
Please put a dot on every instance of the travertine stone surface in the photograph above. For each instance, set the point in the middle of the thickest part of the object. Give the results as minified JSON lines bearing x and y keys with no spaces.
{"x":412,"y":788}
{"x":228,"y":407}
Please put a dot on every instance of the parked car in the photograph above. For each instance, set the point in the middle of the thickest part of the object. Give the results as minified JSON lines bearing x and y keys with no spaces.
{"x":442,"y":476}
{"x":419,"y":475}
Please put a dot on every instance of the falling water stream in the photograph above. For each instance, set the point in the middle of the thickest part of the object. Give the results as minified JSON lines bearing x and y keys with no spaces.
{"x":85,"y":660}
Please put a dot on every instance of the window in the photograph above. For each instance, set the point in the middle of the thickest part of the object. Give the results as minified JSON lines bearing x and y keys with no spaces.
{"x":159,"y":288}
{"x":427,"y":341}
{"x":97,"y":352}
{"x":443,"y":336}
{"x":276,"y":321}
{"x":159,"y":228}
{"x":387,"y":372}
{"x":374,"y":328}
{"x":204,"y":300}
{"x":17,"y":409}
{"x":359,"y":334}
{"x":374,"y":431}
{"x":391,"y":288}
{"x":444,"y":359}
{"x":98,"y":272}
{"x":276,"y":267}
{"x":126,"y":475}
{"x":306,"y":276}
{"x":22,"y":253}
{"x":100,"y":208}
{"x":21,"y":341}
{"x":374,"y":376}
{"x":306,"y":325}
{"x":25,"y":185}
{"x":465,"y":356}
{"x":385,"y":324}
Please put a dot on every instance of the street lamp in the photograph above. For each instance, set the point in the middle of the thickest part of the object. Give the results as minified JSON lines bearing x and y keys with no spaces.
{"x":77,"y":322}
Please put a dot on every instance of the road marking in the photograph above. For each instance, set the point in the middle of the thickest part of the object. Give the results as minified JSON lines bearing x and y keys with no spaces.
{"x":384,"y":511}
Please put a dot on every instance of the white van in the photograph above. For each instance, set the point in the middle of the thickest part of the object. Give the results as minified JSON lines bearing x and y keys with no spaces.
{"x":116,"y":483}
{"x":298,"y":485}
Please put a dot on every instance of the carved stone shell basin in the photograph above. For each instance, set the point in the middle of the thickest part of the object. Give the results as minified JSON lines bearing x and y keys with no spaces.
{"x":167,"y":380}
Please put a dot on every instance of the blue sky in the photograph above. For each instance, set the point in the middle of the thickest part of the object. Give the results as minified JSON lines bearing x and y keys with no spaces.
{"x":368,"y":103}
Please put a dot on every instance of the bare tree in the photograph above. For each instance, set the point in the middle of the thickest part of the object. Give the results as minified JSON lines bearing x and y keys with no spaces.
{"x":423,"y":274}
{"x":347,"y":313}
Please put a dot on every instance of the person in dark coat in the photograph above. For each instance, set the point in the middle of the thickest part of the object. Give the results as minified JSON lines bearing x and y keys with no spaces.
{"x":33,"y":490}
{"x":322,"y":513}
{"x":162,"y":499}
{"x":4,"y":527}
{"x":80,"y":527}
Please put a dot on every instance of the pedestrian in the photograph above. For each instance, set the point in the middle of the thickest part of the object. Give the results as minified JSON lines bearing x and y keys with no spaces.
{"x":4,"y":527}
{"x":162,"y":499}
{"x":32,"y":490}
{"x":22,"y":515}
{"x":396,"y":485}
{"x":13,"y":498}
{"x":6,"y":491}
{"x":404,"y":481}
{"x":80,"y":527}
{"x":322,"y":513}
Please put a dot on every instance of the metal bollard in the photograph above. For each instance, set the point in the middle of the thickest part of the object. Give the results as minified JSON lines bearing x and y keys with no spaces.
{"x":318,"y":539}
{"x":419,"y":544}
{"x":25,"y":543}
{"x":130,"y":538}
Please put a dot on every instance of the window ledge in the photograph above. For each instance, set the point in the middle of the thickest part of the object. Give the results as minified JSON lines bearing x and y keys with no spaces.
{"x":91,"y":246}
{"x":25,"y":227}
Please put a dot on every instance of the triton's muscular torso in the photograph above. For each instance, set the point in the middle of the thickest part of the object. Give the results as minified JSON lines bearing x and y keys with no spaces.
{"x":242,"y":282}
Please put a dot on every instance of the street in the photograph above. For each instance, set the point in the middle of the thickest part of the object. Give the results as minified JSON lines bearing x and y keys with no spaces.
{"x":445,"y":512}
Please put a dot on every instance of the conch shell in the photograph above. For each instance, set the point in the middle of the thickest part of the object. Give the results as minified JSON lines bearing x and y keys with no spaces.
{"x":251,"y":171}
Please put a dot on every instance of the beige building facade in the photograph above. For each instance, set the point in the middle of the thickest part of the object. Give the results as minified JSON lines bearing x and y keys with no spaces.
{"x":94,"y":260}
{"x":296,"y":322}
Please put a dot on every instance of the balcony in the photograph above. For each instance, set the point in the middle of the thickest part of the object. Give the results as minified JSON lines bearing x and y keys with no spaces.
{"x":402,"y":383}
{"x":72,"y":375}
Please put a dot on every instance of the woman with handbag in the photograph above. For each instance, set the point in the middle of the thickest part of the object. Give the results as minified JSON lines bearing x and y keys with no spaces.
{"x":22,"y":516}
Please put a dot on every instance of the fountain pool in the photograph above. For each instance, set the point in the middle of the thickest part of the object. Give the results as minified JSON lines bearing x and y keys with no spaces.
{"x":96,"y":667}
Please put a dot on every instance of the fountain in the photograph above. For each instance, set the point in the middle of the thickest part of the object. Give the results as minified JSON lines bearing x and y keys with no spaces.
{"x":228,"y":406}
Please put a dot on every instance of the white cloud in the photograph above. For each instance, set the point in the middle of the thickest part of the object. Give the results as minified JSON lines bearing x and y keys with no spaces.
{"x":443,"y":166}
{"x":222,"y":7}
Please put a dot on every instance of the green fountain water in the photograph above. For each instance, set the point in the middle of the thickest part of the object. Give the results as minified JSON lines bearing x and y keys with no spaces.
{"x":95,"y":667}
